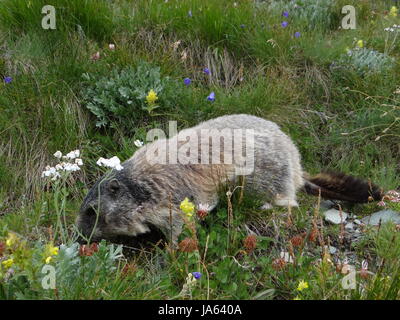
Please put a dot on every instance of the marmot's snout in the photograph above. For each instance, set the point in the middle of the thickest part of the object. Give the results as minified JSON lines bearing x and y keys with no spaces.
{"x":85,"y":224}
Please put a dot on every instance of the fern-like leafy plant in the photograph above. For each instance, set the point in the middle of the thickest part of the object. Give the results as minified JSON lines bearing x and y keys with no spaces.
{"x":364,"y":61}
{"x":120,"y":98}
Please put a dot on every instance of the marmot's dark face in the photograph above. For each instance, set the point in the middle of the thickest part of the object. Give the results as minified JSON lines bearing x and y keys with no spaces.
{"x":113,"y":207}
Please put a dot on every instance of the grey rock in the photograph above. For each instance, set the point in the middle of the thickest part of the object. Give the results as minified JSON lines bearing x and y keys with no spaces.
{"x":335,"y":216}
{"x":332,"y":250}
{"x":382,"y":216}
{"x":349,"y":226}
{"x":327,"y":204}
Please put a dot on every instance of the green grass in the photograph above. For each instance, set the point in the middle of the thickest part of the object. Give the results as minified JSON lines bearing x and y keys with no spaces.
{"x":339,"y":118}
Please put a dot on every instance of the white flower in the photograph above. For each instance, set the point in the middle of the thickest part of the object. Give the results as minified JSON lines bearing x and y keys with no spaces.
{"x":286,"y":257}
{"x":190,"y":279}
{"x":79,"y":162}
{"x":111,"y":46}
{"x":113,"y":163}
{"x":100,"y":161}
{"x":50,"y":172}
{"x":72,"y":155}
{"x":71,"y":167}
{"x":58,"y":154}
{"x":188,"y":286}
{"x":138,"y":143}
{"x":392,"y":28}
{"x":45,"y":174}
{"x":55,"y":176}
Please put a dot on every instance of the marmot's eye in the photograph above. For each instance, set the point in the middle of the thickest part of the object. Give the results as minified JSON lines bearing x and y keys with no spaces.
{"x":114,"y":185}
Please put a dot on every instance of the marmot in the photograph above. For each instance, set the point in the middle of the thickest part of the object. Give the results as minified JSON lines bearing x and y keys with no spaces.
{"x":147,"y":192}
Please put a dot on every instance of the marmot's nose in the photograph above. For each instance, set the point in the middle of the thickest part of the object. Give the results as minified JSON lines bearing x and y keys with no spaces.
{"x":86,"y":221}
{"x":88,"y":212}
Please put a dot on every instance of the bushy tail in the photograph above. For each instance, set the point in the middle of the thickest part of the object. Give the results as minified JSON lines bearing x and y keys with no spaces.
{"x":339,"y":186}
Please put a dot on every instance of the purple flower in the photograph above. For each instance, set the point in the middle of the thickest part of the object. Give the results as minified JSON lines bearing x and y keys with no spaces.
{"x":190,"y":13}
{"x":197,"y":275}
{"x":187,"y":81}
{"x":297,"y":34}
{"x":285,"y":14}
{"x":7,"y":79}
{"x":242,"y":26}
{"x":284,"y":24}
{"x":206,"y":71}
{"x":211,"y":97}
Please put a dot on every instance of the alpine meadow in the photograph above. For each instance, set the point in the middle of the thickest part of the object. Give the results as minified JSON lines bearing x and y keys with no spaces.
{"x":85,"y":82}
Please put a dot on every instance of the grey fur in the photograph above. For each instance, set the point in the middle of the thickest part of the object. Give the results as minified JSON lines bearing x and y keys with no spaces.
{"x":144,"y":194}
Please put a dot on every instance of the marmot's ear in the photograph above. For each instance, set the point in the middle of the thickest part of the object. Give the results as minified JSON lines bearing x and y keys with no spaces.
{"x":114,"y":185}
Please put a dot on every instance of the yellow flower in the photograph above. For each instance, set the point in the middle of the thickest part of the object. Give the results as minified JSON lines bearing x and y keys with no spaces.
{"x":50,"y":251}
{"x":393,"y":11}
{"x":53,"y":251}
{"x":8,"y":263}
{"x":187,"y":207}
{"x":302,"y":285}
{"x":360,"y":43}
{"x":11,"y":239}
{"x":151,"y":97}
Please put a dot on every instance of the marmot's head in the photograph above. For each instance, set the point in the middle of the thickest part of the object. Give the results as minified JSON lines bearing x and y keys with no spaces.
{"x":113,"y":207}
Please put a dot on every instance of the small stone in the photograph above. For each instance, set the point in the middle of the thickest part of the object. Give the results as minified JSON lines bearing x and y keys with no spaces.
{"x":349,"y":226}
{"x":327,"y":204}
{"x":335,"y":216}
{"x":382,"y":217}
{"x":332,"y":250}
{"x":356,"y":221}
